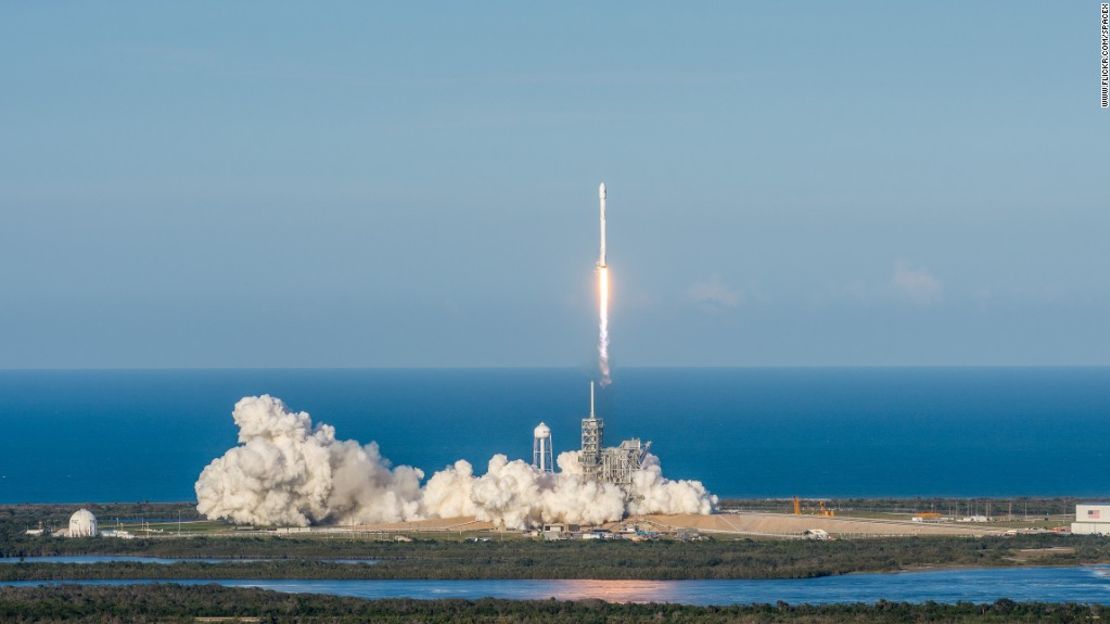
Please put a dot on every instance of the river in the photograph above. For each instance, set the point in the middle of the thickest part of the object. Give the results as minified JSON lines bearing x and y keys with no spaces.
{"x":1088,"y":584}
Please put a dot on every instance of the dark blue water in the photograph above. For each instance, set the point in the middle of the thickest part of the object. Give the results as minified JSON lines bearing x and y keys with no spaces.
{"x":1084,"y":585}
{"x":73,"y":436}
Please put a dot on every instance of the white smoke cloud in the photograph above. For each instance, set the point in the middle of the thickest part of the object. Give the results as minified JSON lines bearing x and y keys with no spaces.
{"x":286,"y":471}
{"x":653,"y":493}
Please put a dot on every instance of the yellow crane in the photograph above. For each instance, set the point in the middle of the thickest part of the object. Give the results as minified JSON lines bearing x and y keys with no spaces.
{"x":821,"y":509}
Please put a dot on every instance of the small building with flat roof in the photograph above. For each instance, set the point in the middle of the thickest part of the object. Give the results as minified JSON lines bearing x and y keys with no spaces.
{"x":1091,"y":519}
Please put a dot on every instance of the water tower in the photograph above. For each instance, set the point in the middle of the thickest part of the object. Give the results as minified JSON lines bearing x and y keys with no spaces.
{"x":542,"y":458}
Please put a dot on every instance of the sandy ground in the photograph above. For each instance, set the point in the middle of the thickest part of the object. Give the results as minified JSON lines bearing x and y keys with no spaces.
{"x":745,"y":523}
{"x":789,"y":525}
{"x":460,"y":525}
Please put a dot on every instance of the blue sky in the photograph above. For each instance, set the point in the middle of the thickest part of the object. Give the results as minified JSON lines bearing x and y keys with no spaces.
{"x":264,"y":184}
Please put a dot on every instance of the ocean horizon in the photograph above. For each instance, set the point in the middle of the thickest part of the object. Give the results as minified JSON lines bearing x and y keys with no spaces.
{"x":145,"y":434}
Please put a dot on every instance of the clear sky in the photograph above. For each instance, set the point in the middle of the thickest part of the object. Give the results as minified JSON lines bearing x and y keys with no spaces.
{"x":375,"y":184}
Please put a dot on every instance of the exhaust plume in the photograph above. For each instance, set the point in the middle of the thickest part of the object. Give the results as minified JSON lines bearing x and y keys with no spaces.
{"x":288,"y":471}
{"x":603,"y":326}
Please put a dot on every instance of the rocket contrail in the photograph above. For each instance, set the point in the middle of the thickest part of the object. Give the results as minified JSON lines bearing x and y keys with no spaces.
{"x":603,"y":300}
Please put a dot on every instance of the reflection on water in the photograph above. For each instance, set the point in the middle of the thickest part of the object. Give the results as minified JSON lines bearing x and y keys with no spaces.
{"x":617,"y":591}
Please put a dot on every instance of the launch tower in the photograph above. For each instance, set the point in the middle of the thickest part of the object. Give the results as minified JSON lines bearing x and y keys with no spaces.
{"x":593,"y":433}
{"x":610,"y":465}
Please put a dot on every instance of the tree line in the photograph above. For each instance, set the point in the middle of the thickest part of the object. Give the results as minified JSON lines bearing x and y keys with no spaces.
{"x":528,"y":559}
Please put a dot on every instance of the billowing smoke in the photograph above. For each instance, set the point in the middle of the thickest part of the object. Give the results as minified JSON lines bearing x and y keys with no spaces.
{"x":287,"y":471}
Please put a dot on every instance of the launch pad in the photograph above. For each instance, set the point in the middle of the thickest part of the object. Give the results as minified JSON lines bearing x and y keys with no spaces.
{"x":615,"y":465}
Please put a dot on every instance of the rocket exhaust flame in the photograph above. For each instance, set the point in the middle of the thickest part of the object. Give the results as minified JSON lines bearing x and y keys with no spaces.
{"x":603,"y":325}
{"x":603,"y":301}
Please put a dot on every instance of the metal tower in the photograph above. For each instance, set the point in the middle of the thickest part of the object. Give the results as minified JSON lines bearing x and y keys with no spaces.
{"x":593,"y":433}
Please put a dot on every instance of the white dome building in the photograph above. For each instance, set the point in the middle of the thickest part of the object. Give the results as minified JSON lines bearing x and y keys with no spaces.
{"x":82,"y":524}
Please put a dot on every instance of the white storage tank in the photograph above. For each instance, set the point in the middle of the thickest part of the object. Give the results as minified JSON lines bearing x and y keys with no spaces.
{"x":82,"y":524}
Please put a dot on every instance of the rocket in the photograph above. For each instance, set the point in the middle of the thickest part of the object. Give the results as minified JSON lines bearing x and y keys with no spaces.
{"x":602,"y":299}
{"x":601,"y":196}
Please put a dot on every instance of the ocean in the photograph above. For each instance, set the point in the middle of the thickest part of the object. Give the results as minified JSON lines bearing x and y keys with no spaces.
{"x":131,"y":435}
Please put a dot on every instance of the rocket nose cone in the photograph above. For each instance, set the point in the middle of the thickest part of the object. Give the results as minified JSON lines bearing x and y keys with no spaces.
{"x":601,"y":191}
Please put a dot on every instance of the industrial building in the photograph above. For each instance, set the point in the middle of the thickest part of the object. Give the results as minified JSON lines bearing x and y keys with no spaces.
{"x":1092,"y":519}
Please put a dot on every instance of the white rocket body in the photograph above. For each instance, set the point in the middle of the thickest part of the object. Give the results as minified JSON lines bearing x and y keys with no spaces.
{"x":601,"y":196}
{"x":603,"y":299}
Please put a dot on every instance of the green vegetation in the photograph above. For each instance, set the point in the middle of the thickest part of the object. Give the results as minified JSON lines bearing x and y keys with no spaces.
{"x":169,"y":603}
{"x":443,"y":556}
{"x":433,"y":559}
